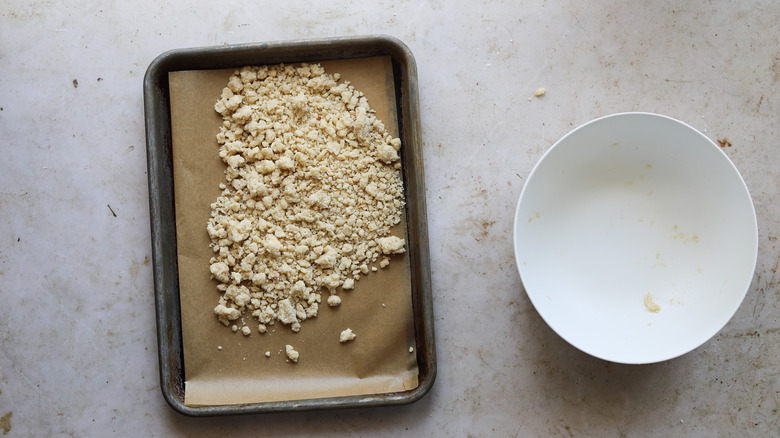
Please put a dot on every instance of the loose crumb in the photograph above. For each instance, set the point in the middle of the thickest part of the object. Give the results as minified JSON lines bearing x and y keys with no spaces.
{"x":346,"y":335}
{"x":246,"y":330}
{"x":334,"y":300}
{"x":312,"y":190}
{"x":540,"y":92}
{"x":219,"y":347}
{"x":267,"y":354}
{"x":234,"y":328}
{"x":411,"y":349}
{"x":650,"y":304}
{"x":391,"y":245}
{"x":291,"y":353}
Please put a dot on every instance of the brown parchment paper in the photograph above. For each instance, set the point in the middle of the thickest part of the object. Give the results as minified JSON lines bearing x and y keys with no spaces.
{"x":378,"y":310}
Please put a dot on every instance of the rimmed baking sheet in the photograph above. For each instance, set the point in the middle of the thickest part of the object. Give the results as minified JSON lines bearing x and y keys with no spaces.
{"x":391,"y":310}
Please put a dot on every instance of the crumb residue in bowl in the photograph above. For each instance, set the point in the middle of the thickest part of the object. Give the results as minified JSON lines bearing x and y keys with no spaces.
{"x":650,"y":304}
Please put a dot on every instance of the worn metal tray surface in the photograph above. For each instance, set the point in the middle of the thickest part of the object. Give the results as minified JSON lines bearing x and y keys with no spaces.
{"x":163,"y":228}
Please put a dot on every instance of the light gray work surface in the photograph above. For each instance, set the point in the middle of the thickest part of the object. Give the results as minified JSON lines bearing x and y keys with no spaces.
{"x":78,"y":354}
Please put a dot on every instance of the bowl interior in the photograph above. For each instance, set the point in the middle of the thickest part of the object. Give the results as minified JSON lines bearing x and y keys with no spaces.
{"x":635,"y":238}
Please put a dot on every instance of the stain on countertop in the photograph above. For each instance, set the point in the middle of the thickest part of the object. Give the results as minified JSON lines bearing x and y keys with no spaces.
{"x":5,"y":422}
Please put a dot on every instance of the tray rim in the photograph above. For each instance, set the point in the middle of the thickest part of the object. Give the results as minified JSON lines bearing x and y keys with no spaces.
{"x":162,"y":214}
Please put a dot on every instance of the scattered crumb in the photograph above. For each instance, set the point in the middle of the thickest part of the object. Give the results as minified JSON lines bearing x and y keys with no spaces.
{"x":219,"y":347}
{"x":267,"y":354}
{"x":346,"y":336}
{"x":334,"y":300}
{"x":75,"y":83}
{"x":262,"y":328}
{"x":650,"y":304}
{"x":384,"y":263}
{"x":246,"y":330}
{"x":234,"y":328}
{"x":383,"y":304}
{"x":411,"y":349}
{"x":291,"y":353}
{"x":311,"y":193}
{"x":391,"y":245}
{"x":540,"y":92}
{"x":724,"y":142}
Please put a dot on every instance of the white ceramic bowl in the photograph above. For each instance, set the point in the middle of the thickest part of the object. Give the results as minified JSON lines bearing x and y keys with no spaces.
{"x":635,"y":238}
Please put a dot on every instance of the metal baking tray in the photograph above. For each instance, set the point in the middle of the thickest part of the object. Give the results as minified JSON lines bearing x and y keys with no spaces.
{"x":161,"y":204}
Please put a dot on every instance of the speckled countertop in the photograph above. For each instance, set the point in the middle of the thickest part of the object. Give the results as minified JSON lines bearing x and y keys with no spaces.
{"x":78,"y":354}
